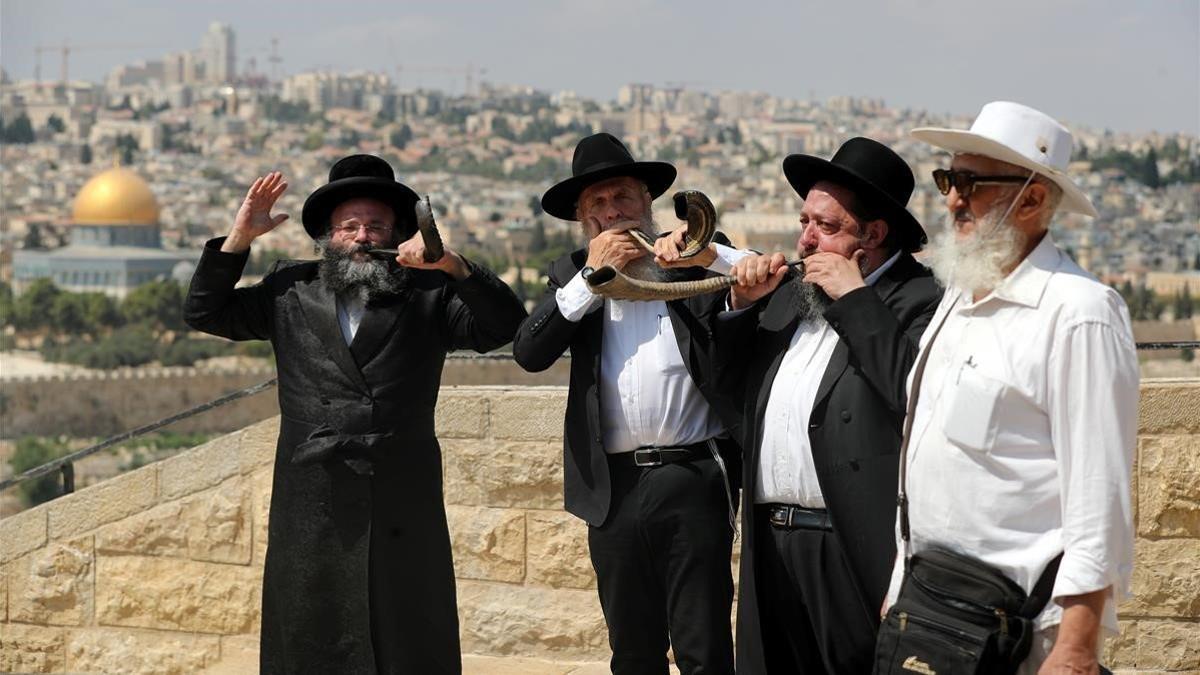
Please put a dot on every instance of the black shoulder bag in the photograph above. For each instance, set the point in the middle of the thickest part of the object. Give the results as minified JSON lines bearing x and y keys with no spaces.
{"x":954,"y":614}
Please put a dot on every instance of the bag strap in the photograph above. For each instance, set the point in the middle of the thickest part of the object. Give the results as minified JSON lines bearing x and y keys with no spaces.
{"x":1039,"y":595}
{"x":918,"y":373}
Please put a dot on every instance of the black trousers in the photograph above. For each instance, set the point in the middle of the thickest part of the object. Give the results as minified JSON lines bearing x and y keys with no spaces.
{"x":662,"y":567}
{"x":813,"y":616}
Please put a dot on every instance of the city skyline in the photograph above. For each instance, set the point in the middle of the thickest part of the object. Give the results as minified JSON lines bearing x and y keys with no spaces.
{"x":1104,"y":65}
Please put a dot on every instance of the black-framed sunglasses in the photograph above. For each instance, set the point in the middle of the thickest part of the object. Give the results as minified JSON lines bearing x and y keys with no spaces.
{"x":965,"y":181}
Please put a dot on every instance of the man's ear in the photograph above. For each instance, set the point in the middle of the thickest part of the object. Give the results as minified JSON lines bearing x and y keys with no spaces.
{"x":1033,"y":200}
{"x":877,"y":232}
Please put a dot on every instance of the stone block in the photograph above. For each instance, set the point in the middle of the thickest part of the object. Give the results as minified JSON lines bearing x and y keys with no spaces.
{"x":179,"y":595}
{"x":53,"y":585}
{"x":213,"y":525}
{"x":487,"y":473}
{"x":22,"y":532}
{"x":531,"y":621}
{"x":262,"y":482}
{"x":528,"y":414}
{"x":1169,"y":407}
{"x":256,"y":444}
{"x":474,"y":664}
{"x":31,"y":649}
{"x":108,"y":650}
{"x":1169,"y":486}
{"x":461,"y":414}
{"x":102,"y":503}
{"x":1166,"y":580}
{"x":557,"y":551}
{"x":239,"y":654}
{"x":3,"y":594}
{"x":201,"y":467}
{"x":1168,"y":645}
{"x":489,"y":544}
{"x":1120,"y":650}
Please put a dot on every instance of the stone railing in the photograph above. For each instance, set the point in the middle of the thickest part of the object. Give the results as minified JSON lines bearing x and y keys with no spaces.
{"x":159,"y":570}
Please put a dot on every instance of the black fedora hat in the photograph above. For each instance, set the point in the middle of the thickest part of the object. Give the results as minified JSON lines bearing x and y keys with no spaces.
{"x":600,"y":157}
{"x":359,"y":176}
{"x":877,"y":175}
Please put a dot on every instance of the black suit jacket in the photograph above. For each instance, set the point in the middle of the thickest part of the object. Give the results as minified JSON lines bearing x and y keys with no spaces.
{"x":368,"y":405}
{"x":854,"y":427}
{"x":547,"y":334}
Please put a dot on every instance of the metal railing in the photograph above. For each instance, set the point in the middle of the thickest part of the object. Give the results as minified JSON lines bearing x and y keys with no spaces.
{"x":66,"y":463}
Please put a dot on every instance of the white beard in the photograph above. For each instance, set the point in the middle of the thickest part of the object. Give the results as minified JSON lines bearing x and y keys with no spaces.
{"x":977,"y":262}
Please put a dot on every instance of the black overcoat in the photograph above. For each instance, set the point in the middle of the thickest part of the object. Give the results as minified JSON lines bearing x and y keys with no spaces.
{"x":547,"y":334}
{"x":854,"y":427}
{"x":359,"y":576}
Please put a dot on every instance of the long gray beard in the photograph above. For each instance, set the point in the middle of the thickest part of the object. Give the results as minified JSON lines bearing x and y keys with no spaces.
{"x":810,"y":301}
{"x":977,"y":262}
{"x":368,"y":279}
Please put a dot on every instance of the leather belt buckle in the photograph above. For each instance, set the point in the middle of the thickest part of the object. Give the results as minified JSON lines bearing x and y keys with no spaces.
{"x":781,"y":516}
{"x":647,"y":457}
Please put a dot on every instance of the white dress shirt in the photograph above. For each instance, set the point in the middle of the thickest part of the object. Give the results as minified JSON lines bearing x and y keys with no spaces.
{"x":647,"y":397}
{"x":786,"y":472}
{"x":350,"y":310}
{"x":1024,"y":431}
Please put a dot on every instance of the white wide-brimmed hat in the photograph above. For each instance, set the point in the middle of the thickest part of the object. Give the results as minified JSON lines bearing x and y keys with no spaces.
{"x":1020,"y":135}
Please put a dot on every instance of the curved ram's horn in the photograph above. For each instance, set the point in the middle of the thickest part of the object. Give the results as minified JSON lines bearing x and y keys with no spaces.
{"x":695,"y":207}
{"x":428,"y":229}
{"x":612,"y":284}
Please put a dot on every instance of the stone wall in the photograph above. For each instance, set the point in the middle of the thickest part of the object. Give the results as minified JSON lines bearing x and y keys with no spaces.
{"x":104,"y":403}
{"x":159,"y":570}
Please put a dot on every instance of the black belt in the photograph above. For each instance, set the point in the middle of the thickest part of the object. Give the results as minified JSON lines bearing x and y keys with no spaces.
{"x":651,"y":457}
{"x":788,"y":517}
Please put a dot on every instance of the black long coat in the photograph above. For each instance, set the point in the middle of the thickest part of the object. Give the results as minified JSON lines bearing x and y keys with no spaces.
{"x":359,"y":576}
{"x":547,"y":334}
{"x":854,"y":427}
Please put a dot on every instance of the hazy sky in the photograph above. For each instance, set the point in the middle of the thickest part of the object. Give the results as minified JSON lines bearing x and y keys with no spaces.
{"x":1130,"y":66}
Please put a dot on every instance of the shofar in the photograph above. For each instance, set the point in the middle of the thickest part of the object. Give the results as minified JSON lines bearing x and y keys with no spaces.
{"x":693,"y":206}
{"x":428,"y":229}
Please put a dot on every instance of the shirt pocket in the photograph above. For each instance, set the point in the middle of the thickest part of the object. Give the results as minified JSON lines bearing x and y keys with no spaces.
{"x":972,"y":420}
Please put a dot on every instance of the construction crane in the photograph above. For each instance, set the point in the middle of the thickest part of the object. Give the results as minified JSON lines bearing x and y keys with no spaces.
{"x":65,"y":50}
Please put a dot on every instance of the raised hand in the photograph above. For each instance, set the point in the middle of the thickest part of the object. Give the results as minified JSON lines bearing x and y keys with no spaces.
{"x":254,"y":217}
{"x":667,"y":248}
{"x":757,"y":276}
{"x":412,"y":254}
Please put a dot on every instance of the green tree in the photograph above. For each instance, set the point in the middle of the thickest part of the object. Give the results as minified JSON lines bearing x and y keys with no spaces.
{"x":537,"y":243}
{"x":33,"y":452}
{"x":1183,"y":303}
{"x":1149,"y":172}
{"x":6,"y":304}
{"x":31,"y":307}
{"x":19,"y":131}
{"x":158,"y":304}
{"x":401,"y":137}
{"x":85,"y":154}
{"x":127,"y":146}
{"x":99,"y":310}
{"x":68,"y":315}
{"x":55,"y":124}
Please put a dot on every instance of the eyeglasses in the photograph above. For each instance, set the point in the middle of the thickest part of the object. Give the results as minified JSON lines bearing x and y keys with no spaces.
{"x":965,"y":181}
{"x":373,"y":229}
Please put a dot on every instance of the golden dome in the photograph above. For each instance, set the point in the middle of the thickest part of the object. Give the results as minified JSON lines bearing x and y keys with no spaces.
{"x":117,"y":196}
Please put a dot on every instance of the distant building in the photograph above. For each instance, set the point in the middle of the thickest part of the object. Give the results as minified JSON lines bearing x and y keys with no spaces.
{"x":115,"y":242}
{"x":218,"y":51}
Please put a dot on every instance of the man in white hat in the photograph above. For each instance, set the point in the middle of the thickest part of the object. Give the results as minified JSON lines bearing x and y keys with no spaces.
{"x":1025,"y":416}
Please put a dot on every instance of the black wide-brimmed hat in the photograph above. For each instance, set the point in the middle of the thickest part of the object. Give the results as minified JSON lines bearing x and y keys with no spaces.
{"x":353,"y":177}
{"x":600,"y":157}
{"x":877,"y":176}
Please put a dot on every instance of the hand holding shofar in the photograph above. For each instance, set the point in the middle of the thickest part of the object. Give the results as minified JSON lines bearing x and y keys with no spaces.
{"x":694,"y":207}
{"x":434,"y":250}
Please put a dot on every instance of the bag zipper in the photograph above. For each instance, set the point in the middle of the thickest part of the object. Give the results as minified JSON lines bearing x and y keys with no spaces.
{"x":905,"y":618}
